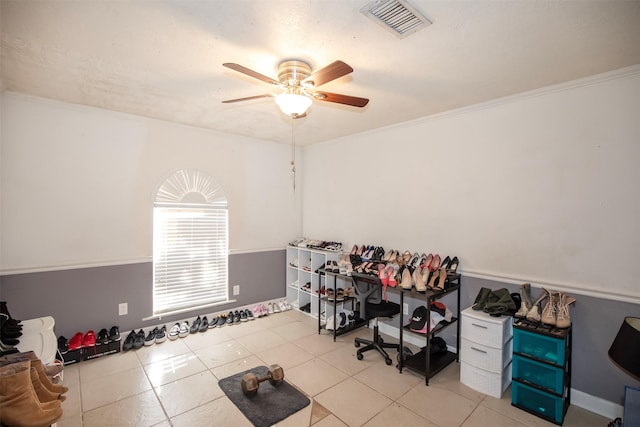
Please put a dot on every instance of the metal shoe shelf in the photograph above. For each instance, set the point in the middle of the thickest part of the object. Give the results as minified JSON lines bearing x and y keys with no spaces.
{"x":334,"y":303}
{"x":420,"y":362}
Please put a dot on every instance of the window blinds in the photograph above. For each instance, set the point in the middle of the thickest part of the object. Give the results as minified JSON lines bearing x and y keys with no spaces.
{"x":189,"y":257}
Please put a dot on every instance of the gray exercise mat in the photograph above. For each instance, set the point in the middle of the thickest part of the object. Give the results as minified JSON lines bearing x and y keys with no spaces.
{"x":270,"y":405}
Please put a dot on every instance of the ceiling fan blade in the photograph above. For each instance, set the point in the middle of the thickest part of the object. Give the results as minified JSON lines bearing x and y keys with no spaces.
{"x":324,"y":75}
{"x":251,"y":73}
{"x":354,"y":101}
{"x":229,"y":101}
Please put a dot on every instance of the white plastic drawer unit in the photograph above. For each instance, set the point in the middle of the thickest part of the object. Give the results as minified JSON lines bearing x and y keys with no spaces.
{"x":479,"y":327}
{"x":486,"y":349}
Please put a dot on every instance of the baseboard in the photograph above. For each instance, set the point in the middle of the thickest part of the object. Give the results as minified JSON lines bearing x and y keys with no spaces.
{"x":583,"y":400}
{"x":596,"y":405}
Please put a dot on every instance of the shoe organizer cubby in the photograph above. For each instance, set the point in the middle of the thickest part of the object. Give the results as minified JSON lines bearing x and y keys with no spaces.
{"x":303,"y":268}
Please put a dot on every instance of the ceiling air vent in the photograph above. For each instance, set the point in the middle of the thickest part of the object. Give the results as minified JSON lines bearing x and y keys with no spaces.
{"x":396,"y":16}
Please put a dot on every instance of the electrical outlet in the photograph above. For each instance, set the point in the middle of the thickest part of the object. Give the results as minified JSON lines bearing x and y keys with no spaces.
{"x":405,"y":309}
{"x":123,"y":309}
{"x":236,"y":289}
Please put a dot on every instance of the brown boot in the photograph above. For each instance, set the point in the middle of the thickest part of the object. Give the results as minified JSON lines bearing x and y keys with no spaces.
{"x":44,"y":379}
{"x":35,"y":363}
{"x":44,"y":395}
{"x":19,"y":405}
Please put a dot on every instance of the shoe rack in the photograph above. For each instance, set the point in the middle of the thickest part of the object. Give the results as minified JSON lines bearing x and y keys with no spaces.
{"x":424,"y":362}
{"x":304,"y":278}
{"x":541,"y":369}
{"x":332,"y":305}
{"x":38,"y":336}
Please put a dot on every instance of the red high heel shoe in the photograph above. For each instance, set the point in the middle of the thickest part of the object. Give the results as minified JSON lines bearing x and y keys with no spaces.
{"x":435,"y":264}
{"x":426,"y":265}
{"x":382,"y":274}
{"x":391,"y":276}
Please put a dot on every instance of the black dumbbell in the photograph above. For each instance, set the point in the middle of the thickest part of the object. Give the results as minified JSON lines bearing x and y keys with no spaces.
{"x":251,"y":382}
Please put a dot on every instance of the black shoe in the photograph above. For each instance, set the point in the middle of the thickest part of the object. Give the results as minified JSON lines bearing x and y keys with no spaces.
{"x":243,"y":316}
{"x":204,"y":325}
{"x":114,"y":334}
{"x":138,"y":341}
{"x":103,"y":337}
{"x":222,"y":321}
{"x":9,"y":332}
{"x":151,"y":337}
{"x":229,"y":320}
{"x":128,"y":342}
{"x":196,"y":325}
{"x":8,"y":320}
{"x":214,"y":322}
{"x":236,"y":317}
{"x":161,"y":336}
{"x":63,"y":346}
{"x":249,"y":314}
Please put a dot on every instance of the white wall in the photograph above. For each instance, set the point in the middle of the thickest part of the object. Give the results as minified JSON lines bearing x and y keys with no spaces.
{"x":541,"y":187}
{"x":78,"y":184}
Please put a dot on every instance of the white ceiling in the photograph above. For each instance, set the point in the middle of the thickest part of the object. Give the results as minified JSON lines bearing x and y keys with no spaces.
{"x":163,"y":59}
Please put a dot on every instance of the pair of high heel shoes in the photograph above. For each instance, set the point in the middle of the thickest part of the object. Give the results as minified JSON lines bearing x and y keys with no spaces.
{"x":434,"y":262}
{"x":425,"y":279}
{"x":422,"y":280}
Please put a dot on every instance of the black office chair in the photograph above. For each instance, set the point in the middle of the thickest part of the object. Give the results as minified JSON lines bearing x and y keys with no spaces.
{"x":368,"y":290}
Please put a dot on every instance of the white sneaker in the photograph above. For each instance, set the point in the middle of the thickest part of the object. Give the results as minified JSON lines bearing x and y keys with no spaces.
{"x":282,"y":306}
{"x":174,"y":332}
{"x":270,"y":309}
{"x":184,"y":329}
{"x":276,"y":308}
{"x":330,"y":326}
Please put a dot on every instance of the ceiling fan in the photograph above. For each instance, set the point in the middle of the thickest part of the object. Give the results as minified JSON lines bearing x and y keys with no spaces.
{"x":298,"y":84}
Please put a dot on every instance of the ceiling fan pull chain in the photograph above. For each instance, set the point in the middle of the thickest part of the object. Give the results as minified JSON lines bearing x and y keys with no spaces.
{"x":293,"y":153}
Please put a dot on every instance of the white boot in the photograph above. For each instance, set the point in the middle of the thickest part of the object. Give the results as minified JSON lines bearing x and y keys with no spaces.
{"x":534,"y":311}
{"x":563,"y":320}
{"x":525,"y":300}
{"x":549,"y":312}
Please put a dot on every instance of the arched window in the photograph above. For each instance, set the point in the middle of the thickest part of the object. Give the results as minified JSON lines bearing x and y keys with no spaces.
{"x":190,"y":244}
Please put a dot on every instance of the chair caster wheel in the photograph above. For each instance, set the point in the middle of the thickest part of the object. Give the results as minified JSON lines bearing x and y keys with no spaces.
{"x":356,"y":343}
{"x":359,"y":356}
{"x":388,"y":361}
{"x":380,"y":340}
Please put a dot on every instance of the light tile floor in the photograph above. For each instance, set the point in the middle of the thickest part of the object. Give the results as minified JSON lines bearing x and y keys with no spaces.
{"x":176,"y":384}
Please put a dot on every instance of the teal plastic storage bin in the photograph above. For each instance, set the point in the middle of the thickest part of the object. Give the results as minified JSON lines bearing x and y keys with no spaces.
{"x":540,"y":346}
{"x":541,"y":374}
{"x":545,"y":405}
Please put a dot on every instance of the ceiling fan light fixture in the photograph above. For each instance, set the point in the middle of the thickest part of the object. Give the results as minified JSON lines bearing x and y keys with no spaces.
{"x":293,"y":104}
